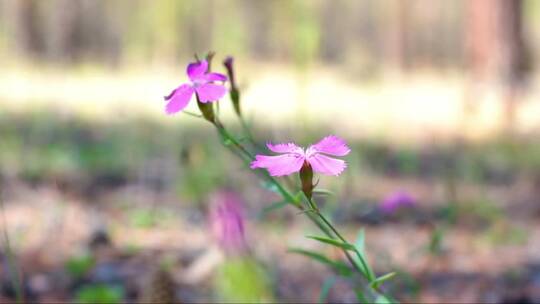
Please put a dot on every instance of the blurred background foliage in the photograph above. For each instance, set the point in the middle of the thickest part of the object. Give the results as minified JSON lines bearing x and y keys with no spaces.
{"x":106,"y":198}
{"x":365,"y":35}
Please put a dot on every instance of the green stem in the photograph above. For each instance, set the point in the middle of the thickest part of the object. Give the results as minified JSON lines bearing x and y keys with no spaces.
{"x":14,"y":272}
{"x":321,"y":226}
{"x":286,"y":195}
{"x":192,"y":114}
{"x":369,"y":275}
{"x":317,"y":217}
{"x":226,"y":135}
{"x":247,"y":131}
{"x":364,"y":272}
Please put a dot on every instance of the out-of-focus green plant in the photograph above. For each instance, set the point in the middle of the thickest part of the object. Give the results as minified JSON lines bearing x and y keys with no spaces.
{"x":14,"y":270}
{"x":148,"y":217}
{"x":197,"y":183}
{"x":100,"y":293}
{"x":407,"y":161}
{"x":241,"y":280}
{"x":504,"y":233}
{"x":143,"y":218}
{"x":484,"y":210}
{"x":435,"y":246}
{"x":78,"y":266}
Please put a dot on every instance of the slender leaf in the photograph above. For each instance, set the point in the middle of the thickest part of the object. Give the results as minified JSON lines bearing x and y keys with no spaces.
{"x":360,"y":260}
{"x":360,"y":257}
{"x":435,"y":242}
{"x":333,"y":242}
{"x":383,"y":300}
{"x":323,"y":192}
{"x":337,"y":266}
{"x":325,"y":288}
{"x":272,"y":207}
{"x":271,"y":187}
{"x":360,"y":296}
{"x":378,"y":281}
{"x":360,"y":241}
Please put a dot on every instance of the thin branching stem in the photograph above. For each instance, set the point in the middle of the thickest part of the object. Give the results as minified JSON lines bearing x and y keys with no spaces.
{"x":192,"y":114}
{"x":315,"y":216}
{"x":14,"y":272}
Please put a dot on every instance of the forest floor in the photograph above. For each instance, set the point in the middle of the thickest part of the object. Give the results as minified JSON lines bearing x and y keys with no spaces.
{"x":490,"y":255}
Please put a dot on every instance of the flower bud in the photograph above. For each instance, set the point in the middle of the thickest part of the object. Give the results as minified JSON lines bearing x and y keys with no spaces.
{"x":209,"y":56}
{"x":234,"y":93}
{"x":207,"y":110}
{"x":306,"y":176}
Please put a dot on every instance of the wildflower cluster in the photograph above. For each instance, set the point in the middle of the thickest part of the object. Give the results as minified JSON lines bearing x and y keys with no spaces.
{"x":289,"y":158}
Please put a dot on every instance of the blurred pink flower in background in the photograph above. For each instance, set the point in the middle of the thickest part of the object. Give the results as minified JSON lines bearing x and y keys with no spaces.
{"x":397,"y":200}
{"x":293,"y":157}
{"x":227,"y":218}
{"x":202,"y":83}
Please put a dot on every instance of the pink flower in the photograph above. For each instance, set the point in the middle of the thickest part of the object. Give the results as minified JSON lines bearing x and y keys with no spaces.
{"x":396,"y":200}
{"x":292,"y":157}
{"x":202,"y":83}
{"x":227,"y":220}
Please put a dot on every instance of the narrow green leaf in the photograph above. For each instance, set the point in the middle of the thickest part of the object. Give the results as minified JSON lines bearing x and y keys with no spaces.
{"x":333,"y":242}
{"x":323,"y":192}
{"x":378,"y":281}
{"x":270,"y":187}
{"x":360,"y":296}
{"x":435,"y":242}
{"x":360,"y":241}
{"x":296,"y":199}
{"x":272,"y":207}
{"x":325,"y":288}
{"x":360,"y":257}
{"x":337,"y":266}
{"x":383,"y":300}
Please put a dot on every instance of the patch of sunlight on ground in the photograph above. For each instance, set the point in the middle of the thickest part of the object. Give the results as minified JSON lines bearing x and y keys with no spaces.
{"x":412,"y":106}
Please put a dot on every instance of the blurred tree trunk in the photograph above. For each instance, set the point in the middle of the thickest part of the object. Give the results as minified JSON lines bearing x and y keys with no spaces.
{"x":496,"y":50}
{"x":396,"y":35}
{"x":514,"y":61}
{"x":24,"y":27}
{"x":60,"y":27}
{"x":258,"y":16}
{"x":334,"y":24}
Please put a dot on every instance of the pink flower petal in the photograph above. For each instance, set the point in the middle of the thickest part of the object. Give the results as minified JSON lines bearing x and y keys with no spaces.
{"x":285,"y":148}
{"x":210,"y":92}
{"x":196,"y":70}
{"x":326,"y":165}
{"x":279,"y":165}
{"x":215,"y":77}
{"x":178,"y":99}
{"x":331,"y":145}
